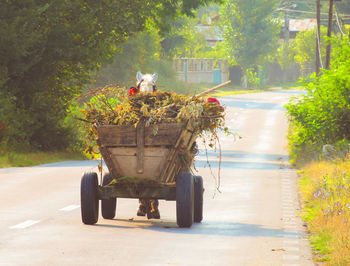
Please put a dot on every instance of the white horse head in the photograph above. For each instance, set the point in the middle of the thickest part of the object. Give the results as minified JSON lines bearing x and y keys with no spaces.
{"x":147,"y":82}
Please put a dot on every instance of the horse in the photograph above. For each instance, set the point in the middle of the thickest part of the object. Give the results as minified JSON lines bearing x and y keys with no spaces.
{"x":147,"y":82}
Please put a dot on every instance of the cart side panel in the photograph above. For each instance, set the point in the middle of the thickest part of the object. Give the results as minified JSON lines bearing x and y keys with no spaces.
{"x":174,"y":163}
{"x":162,"y":134}
{"x":159,"y":153}
{"x":166,"y":134}
{"x":116,"y":136}
{"x":124,"y":160}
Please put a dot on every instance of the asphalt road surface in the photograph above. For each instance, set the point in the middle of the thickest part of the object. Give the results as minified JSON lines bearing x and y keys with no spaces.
{"x":253,"y":221}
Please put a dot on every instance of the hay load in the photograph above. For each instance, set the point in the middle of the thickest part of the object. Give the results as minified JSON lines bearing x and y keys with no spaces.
{"x":112,"y":105}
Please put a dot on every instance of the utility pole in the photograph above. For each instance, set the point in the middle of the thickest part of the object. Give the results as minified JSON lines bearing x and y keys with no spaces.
{"x":329,"y":34}
{"x":318,"y":34}
{"x":286,"y":27}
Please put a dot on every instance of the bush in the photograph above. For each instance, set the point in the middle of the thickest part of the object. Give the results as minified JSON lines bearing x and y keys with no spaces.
{"x":252,"y":78}
{"x":322,"y":115}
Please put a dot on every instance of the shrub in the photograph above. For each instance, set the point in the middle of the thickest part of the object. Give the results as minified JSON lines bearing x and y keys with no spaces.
{"x":322,"y":115}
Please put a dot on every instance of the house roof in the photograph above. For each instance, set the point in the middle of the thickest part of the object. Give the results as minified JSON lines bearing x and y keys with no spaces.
{"x":297,"y":25}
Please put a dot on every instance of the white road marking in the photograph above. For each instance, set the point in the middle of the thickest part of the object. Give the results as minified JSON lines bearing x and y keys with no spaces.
{"x":288,"y":200}
{"x":291,"y":257}
{"x":288,"y":212}
{"x":24,"y":224}
{"x":291,"y":231}
{"x":292,"y":249}
{"x":290,"y":235}
{"x":288,"y":206}
{"x":288,"y":215}
{"x":291,"y":242}
{"x":291,"y":221}
{"x":70,"y":208}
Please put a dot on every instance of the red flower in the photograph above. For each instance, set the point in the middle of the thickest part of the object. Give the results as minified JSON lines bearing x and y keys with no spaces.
{"x":212,"y":100}
{"x":132,"y":91}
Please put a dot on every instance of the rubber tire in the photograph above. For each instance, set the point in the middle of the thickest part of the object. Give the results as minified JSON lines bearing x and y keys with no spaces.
{"x":88,"y":198}
{"x":108,"y":206}
{"x":198,"y":199}
{"x":184,"y":199}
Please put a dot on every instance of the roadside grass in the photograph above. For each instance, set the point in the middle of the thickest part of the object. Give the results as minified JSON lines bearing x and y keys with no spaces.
{"x":14,"y":159}
{"x":221,"y":93}
{"x":236,"y":89}
{"x":325,"y":192}
{"x":286,"y":85}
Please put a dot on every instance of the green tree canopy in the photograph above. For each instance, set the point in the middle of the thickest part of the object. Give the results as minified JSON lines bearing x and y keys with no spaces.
{"x":250,"y":31}
{"x":48,"y":50}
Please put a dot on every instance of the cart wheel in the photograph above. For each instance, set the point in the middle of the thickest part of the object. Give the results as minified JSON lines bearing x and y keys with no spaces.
{"x":88,"y":197}
{"x":184,"y":199}
{"x":108,"y":205}
{"x":198,"y":199}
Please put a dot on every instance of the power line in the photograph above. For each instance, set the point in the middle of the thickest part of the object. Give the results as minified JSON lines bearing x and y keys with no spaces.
{"x":303,"y":11}
{"x":336,"y":16}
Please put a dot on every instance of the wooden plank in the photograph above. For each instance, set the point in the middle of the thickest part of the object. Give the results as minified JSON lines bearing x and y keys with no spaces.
{"x":108,"y":160}
{"x":117,"y":135}
{"x":161,"y":151}
{"x":167,"y":134}
{"x":175,"y":165}
{"x":165,"y":175}
{"x":202,"y":93}
{"x":127,"y":166}
{"x":111,"y":135}
{"x":140,"y":140}
{"x":214,"y":88}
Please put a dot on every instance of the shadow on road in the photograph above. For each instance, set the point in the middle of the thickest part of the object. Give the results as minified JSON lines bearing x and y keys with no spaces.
{"x":87,"y":163}
{"x":226,"y":229}
{"x":235,"y":154}
{"x":239,"y":165}
{"x":259,"y":161}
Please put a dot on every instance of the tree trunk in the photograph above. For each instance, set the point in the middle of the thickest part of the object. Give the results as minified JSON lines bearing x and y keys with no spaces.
{"x":329,"y":34}
{"x":318,"y":37}
{"x":245,"y":82}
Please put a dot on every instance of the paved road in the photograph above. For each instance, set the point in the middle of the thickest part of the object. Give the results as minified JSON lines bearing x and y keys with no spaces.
{"x":253,"y":221}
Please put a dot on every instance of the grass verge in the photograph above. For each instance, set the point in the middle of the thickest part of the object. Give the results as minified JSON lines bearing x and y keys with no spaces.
{"x":13,"y":159}
{"x":325,"y":191}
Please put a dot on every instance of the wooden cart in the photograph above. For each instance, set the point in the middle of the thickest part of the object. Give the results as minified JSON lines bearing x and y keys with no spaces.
{"x":145,"y":154}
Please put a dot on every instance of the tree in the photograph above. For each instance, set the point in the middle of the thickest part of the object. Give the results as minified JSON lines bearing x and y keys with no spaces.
{"x":140,"y":52}
{"x":184,"y":38}
{"x":304,"y":49}
{"x":250,"y":31}
{"x":49,"y":48}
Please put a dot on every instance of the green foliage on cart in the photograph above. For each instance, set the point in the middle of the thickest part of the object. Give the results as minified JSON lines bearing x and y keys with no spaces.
{"x":113,"y":106}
